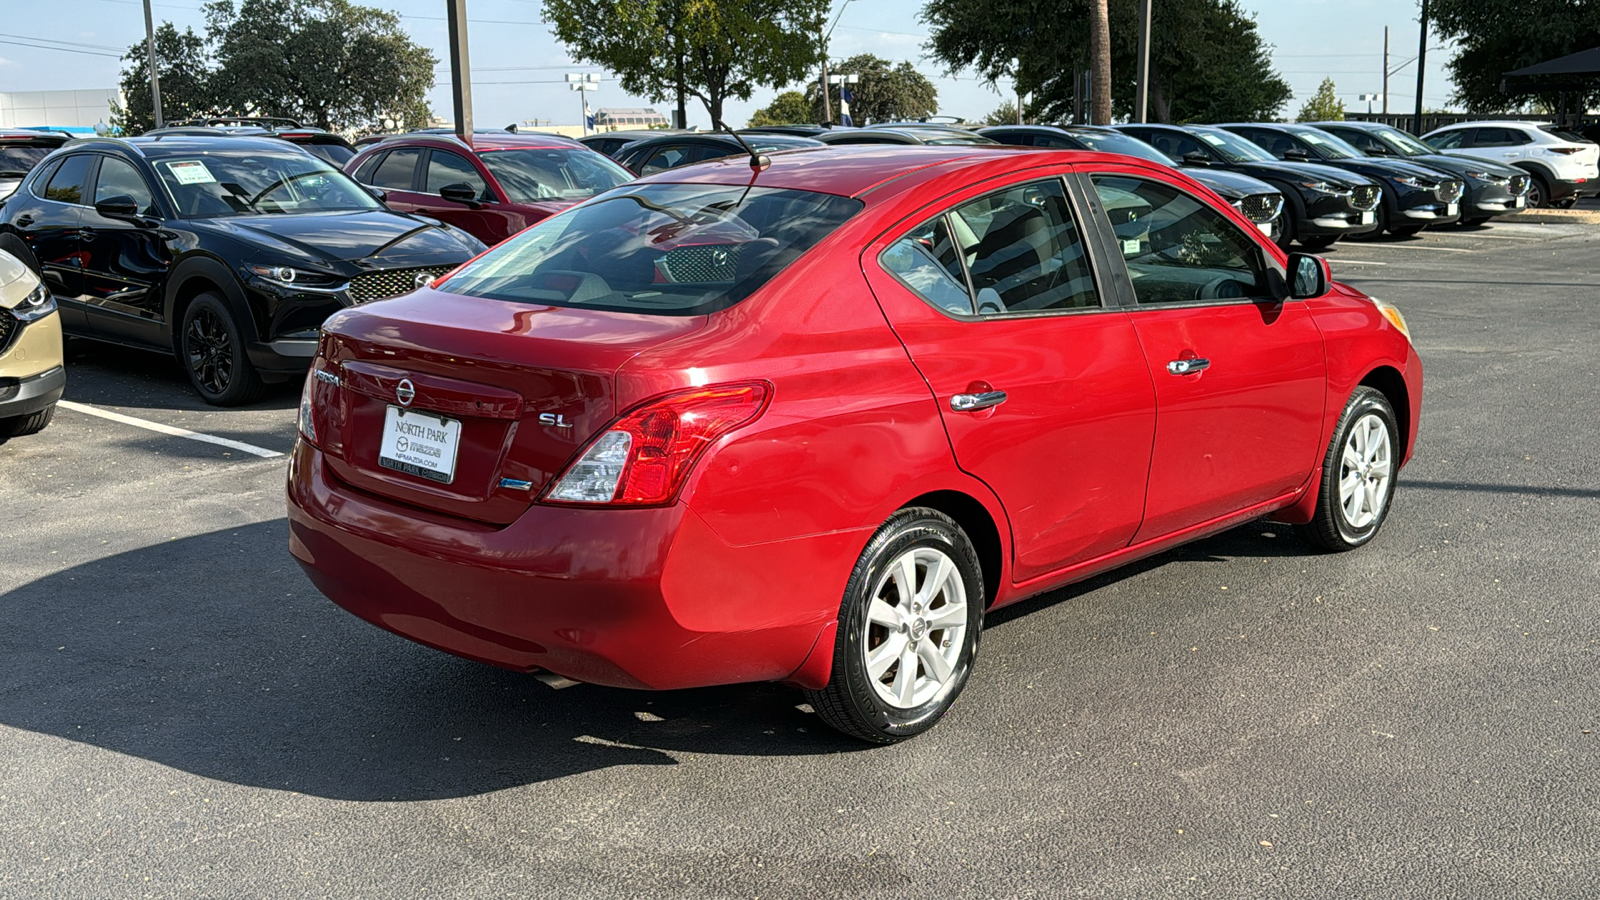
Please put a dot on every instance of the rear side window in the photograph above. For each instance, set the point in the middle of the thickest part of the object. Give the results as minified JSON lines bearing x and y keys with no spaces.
{"x":67,"y":183}
{"x":398,"y":169}
{"x":1015,"y":251}
{"x":669,"y":157}
{"x":1176,"y":247}
{"x":663,"y":249}
{"x":1499,"y":137}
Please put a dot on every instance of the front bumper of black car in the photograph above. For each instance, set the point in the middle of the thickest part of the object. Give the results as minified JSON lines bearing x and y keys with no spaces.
{"x":1340,"y":211}
{"x":1494,"y":198}
{"x":1427,"y":205}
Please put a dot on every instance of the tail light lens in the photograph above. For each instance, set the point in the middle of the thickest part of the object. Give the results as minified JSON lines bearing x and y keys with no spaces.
{"x":1566,"y":151}
{"x":308,"y":425}
{"x":644,"y":459}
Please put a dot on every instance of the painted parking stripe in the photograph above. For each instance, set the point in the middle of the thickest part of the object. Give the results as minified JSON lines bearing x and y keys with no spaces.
{"x":159,"y":428}
{"x":1354,"y":262}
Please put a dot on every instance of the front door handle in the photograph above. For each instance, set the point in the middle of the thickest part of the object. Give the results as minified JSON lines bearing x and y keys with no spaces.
{"x":1188,"y":366}
{"x":975,"y":402}
{"x":24,"y":220}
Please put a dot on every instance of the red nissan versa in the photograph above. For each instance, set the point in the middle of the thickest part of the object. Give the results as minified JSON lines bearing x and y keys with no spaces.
{"x":493,"y":189}
{"x":809,"y":422}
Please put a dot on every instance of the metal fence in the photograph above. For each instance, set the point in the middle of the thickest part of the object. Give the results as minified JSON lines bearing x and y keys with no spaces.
{"x":1432,"y":121}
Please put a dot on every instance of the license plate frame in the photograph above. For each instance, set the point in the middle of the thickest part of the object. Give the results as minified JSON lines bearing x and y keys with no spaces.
{"x":419,"y":444}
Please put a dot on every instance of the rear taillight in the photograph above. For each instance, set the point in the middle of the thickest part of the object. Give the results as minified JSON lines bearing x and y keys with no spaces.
{"x":1567,"y":151}
{"x":308,"y":425}
{"x":645,"y":457}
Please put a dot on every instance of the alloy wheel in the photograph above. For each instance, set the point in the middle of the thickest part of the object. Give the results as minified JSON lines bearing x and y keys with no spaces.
{"x":916,"y":628}
{"x":1366,"y":466}
{"x":210,"y":351}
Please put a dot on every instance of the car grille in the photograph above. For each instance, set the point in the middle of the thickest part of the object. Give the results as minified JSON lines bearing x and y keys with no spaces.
{"x":715,"y":263}
{"x":1260,"y":208}
{"x":9,"y":326}
{"x":1519,"y":185}
{"x":1449,"y":191}
{"x":391,"y":283}
{"x":1366,"y":196}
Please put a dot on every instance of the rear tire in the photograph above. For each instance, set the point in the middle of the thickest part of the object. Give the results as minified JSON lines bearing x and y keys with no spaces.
{"x":1358,"y":475}
{"x":1538,"y":192}
{"x":908,"y":630}
{"x":211,"y":349}
{"x":33,"y":423}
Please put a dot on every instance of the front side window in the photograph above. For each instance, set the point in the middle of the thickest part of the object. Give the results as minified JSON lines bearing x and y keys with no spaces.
{"x":1498,"y":137}
{"x":663,"y":158}
{"x":663,"y":249}
{"x":254,"y":182}
{"x":553,"y":173}
{"x":1014,"y":251}
{"x":118,"y":178}
{"x":67,"y":183}
{"x":1177,"y":248}
{"x":446,"y":168}
{"x":1449,"y":140}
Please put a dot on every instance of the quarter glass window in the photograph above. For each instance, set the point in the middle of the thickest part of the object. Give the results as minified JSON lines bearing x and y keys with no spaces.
{"x":1177,"y":248}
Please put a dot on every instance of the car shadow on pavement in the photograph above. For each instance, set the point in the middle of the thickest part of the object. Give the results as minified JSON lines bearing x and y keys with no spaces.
{"x":214,"y":655}
{"x":111,"y":375}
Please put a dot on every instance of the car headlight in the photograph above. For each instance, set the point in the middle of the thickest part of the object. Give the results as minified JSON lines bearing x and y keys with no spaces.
{"x":1411,"y":181}
{"x":36,"y":305}
{"x":1490,"y":177}
{"x":296,"y":279}
{"x":1392,"y":313}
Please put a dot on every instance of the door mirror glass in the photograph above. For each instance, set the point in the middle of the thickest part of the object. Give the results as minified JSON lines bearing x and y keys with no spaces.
{"x":1297,"y":155}
{"x":120,"y":206}
{"x":1310,"y":274}
{"x":377,"y":192}
{"x":460,"y":192}
{"x":1196,"y":158}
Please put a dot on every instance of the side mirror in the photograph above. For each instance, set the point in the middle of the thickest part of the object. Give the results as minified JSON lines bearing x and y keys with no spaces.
{"x":1196,"y":158}
{"x":377,"y":192}
{"x":1309,"y":276}
{"x":120,"y":206}
{"x":1297,"y":155}
{"x":1379,"y":150}
{"x":460,"y":192}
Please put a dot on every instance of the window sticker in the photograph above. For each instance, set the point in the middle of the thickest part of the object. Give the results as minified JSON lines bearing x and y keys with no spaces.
{"x":1211,"y":139}
{"x":191,"y":171}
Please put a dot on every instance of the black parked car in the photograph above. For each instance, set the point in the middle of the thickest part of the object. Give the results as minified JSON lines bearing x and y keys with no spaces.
{"x":905,"y":134}
{"x":21,"y":150}
{"x":672,"y":151}
{"x":1260,"y":202}
{"x":228,"y":252}
{"x":324,"y":145}
{"x":1414,"y":195}
{"x":1492,"y":189}
{"x":611,"y":142}
{"x":1322,"y":204}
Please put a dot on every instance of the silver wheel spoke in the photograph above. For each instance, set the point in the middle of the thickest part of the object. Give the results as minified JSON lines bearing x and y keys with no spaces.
{"x":934,"y":583}
{"x":932,"y":656}
{"x":1351,"y":459}
{"x":1380,"y":469}
{"x":882,"y":656}
{"x":881,"y":613}
{"x":950,"y":615}
{"x":905,"y":680}
{"x":905,"y":580}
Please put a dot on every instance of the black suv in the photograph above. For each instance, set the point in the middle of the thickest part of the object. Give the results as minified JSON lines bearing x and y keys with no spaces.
{"x":1492,"y":189}
{"x":1322,"y":203}
{"x":228,"y":252}
{"x":672,"y":151}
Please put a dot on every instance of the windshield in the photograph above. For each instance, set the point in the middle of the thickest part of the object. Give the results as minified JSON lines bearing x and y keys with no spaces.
{"x":1331,"y":147}
{"x":1233,"y":148}
{"x":253,"y":182}
{"x":1112,"y":142}
{"x":664,"y":249}
{"x":553,"y":173}
{"x":1402,"y":143}
{"x":21,"y":160}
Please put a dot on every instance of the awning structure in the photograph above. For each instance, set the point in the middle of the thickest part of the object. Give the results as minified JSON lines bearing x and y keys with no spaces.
{"x":1575,"y":71}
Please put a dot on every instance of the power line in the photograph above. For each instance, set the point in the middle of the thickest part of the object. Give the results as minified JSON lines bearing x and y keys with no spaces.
{"x":60,"y":49}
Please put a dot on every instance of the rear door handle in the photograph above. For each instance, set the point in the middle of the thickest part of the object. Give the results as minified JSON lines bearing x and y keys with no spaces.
{"x":24,"y":220}
{"x":975,"y":402}
{"x":1188,"y":366}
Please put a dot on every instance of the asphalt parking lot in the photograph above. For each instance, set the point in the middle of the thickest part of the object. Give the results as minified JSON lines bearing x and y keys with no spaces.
{"x":182,"y":715}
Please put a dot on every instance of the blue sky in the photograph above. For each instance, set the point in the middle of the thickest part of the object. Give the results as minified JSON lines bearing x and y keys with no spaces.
{"x":517,"y":63}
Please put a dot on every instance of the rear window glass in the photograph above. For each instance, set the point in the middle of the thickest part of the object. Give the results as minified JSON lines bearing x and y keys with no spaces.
{"x":20,"y":160}
{"x":1564,"y":134}
{"x":667,"y":249}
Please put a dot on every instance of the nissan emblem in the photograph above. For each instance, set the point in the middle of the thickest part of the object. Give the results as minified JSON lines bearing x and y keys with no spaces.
{"x":405,"y":392}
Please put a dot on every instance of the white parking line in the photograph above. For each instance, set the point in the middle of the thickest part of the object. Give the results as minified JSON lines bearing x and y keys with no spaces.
{"x":1334,"y":260}
{"x":159,"y":428}
{"x":1433,"y":247}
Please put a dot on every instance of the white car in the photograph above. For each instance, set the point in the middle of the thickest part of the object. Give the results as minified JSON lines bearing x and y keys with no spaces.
{"x":1564,"y":165}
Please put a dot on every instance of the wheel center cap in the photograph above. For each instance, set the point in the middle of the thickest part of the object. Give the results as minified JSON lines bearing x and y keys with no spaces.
{"x":919,"y":628}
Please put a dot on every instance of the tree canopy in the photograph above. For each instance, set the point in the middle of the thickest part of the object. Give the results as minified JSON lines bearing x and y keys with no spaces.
{"x":1323,"y":106}
{"x":885,"y":93}
{"x":1207,"y":60}
{"x":184,"y":67}
{"x":712,"y":50}
{"x":788,"y":108}
{"x":1493,"y":37}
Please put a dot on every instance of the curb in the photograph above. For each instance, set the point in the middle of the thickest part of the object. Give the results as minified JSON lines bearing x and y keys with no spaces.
{"x":1555,"y":217}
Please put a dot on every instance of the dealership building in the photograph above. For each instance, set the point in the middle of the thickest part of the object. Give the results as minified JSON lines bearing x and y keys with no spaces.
{"x":75,"y":111}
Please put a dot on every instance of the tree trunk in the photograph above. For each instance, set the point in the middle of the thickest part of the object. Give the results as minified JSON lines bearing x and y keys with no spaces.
{"x":1100,"y":61}
{"x":1160,"y":109}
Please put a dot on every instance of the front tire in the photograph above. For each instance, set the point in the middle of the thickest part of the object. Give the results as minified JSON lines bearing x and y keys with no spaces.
{"x":908,"y":630}
{"x":33,"y":423}
{"x":1358,"y":475}
{"x":1538,"y":196}
{"x":211,"y":349}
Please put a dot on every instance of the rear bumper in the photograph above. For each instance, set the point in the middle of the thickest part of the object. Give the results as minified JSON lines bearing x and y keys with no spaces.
{"x":637,"y":598}
{"x":26,"y":396}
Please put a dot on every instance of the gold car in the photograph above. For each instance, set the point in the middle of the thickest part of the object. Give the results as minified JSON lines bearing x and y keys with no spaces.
{"x":32,"y":375}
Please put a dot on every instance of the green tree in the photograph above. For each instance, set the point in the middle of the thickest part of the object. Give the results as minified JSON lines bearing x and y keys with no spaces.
{"x":710,"y":49}
{"x":1004,"y":114}
{"x":328,"y":63}
{"x":885,"y":93}
{"x":1207,"y":60}
{"x":788,"y":108}
{"x":1323,"y":106}
{"x":1493,"y":37}
{"x":185,"y":70}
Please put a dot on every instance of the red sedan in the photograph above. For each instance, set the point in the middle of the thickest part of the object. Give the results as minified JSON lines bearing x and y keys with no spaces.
{"x":809,"y":422}
{"x":493,"y":189}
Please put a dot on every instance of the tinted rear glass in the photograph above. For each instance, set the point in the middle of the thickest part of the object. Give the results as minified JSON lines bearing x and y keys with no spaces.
{"x":1564,"y":134}
{"x":666,"y":249}
{"x":20,"y":160}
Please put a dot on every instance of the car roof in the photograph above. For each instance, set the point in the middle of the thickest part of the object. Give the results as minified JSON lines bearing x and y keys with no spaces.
{"x":30,"y":134}
{"x":1493,"y":123}
{"x":482,"y":142}
{"x":162,"y":145}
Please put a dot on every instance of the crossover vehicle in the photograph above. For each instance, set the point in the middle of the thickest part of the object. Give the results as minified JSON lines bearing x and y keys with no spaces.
{"x":319,"y":142}
{"x":809,"y":421}
{"x":611,"y":142}
{"x":32,"y":371}
{"x":492,"y":189}
{"x":20,"y":150}
{"x":227,"y":252}
{"x":1491,"y":189}
{"x":1562,"y":163}
{"x":1260,"y":202}
{"x":904,"y":134}
{"x":672,"y":151}
{"x":1414,"y":195}
{"x":1321,"y":204}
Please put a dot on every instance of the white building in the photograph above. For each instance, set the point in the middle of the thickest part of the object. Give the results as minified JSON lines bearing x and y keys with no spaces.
{"x":624,"y":119}
{"x":76,"y":111}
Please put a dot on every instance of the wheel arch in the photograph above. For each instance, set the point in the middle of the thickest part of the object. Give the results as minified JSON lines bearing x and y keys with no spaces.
{"x":199,"y":275}
{"x":981,"y":528}
{"x":1388,"y":381}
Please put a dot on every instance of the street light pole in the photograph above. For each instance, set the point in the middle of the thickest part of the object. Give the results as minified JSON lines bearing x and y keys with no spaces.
{"x":1142,"y":101}
{"x":1422,"y":68}
{"x":150,"y":53}
{"x":1386,"y":70}
{"x":460,"y":76}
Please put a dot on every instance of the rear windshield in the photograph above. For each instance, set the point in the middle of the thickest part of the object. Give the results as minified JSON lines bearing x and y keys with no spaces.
{"x":666,"y":249}
{"x":1564,"y":134}
{"x":15,"y":160}
{"x":553,"y":173}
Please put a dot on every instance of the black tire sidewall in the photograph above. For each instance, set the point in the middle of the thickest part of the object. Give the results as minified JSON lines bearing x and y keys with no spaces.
{"x":242,"y":387}
{"x":1365,"y":402}
{"x":906,"y":531}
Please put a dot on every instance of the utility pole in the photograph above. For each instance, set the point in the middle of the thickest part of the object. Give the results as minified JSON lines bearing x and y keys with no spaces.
{"x":1141,"y":105}
{"x":583,"y":83}
{"x":1386,"y":70}
{"x":150,"y":52}
{"x":460,"y":76}
{"x":827,"y":98}
{"x":1422,"y":69}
